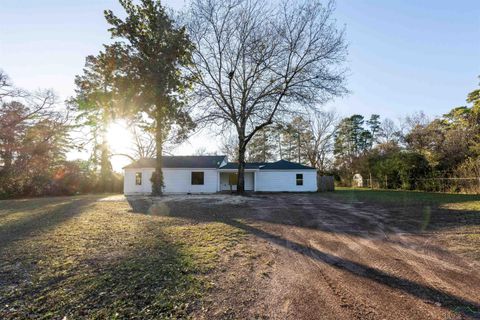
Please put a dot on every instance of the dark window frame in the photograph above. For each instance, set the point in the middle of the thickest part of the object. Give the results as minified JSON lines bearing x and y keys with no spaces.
{"x":138,"y":178}
{"x":199,"y":180}
{"x":299,"y":179}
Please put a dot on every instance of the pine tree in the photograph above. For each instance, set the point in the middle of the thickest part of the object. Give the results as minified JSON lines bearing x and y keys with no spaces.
{"x":155,"y":52}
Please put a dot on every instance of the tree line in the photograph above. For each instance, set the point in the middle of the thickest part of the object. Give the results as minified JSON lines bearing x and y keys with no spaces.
{"x":256,"y":72}
{"x":235,"y":65}
{"x":440,"y":154}
{"x":415,"y":152}
{"x":306,"y":139}
{"x":35,"y":137}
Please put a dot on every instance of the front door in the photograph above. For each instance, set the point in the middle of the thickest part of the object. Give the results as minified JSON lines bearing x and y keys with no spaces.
{"x":232,"y":179}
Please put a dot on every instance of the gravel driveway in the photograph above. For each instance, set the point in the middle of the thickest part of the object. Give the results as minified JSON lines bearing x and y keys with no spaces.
{"x":329,"y":260}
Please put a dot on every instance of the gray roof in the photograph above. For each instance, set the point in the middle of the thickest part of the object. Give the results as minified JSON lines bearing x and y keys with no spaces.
{"x":248,"y":165}
{"x":180,"y":162}
{"x":285,"y":165}
{"x":214,"y":162}
{"x":278,"y":165}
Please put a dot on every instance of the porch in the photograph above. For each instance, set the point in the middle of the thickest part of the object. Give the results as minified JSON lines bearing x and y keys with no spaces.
{"x":228,"y":180}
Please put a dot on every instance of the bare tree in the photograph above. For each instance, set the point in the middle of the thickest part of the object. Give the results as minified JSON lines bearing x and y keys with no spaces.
{"x":22,"y":112}
{"x":257,"y":61}
{"x":144,"y":142}
{"x":228,"y":146}
{"x":409,"y":122}
{"x":389,"y":132}
{"x":7,"y":89}
{"x":320,"y":149}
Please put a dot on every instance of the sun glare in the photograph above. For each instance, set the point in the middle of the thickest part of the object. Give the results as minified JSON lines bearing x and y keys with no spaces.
{"x":120,"y":142}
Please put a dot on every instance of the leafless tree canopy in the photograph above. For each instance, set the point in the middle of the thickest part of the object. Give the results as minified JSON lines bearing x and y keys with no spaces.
{"x":389,"y":132}
{"x":7,"y":90}
{"x":256,"y":61}
{"x":320,"y":149}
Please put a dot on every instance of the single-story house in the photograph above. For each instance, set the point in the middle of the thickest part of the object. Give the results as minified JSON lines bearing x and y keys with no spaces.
{"x":210,"y":174}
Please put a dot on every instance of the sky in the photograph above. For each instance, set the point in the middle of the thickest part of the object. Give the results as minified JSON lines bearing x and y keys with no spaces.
{"x":404,"y":56}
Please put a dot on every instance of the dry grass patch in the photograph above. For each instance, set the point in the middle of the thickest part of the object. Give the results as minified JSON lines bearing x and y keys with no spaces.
{"x":83,"y":258}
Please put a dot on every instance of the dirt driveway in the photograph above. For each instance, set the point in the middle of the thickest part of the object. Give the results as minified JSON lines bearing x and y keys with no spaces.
{"x":317,"y":258}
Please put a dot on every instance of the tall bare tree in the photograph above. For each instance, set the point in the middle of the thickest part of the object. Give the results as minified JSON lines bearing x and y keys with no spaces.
{"x":258,"y":61}
{"x":390,"y":132}
{"x":320,"y":148}
{"x":228,"y":146}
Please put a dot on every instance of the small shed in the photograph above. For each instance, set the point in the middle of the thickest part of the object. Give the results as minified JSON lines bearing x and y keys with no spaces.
{"x":357,"y":180}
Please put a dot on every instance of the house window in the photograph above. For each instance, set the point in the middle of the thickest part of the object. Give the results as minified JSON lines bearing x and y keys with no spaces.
{"x":299,"y":179}
{"x":197,"y":178}
{"x":138,"y":178}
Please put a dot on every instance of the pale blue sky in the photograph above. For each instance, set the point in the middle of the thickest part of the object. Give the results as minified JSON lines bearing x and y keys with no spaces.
{"x":404,"y":56}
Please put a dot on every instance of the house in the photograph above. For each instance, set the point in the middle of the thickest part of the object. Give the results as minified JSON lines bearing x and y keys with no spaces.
{"x":210,"y":174}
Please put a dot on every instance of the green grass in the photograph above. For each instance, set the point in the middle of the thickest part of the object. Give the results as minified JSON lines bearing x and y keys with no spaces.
{"x":408,"y":198}
{"x":78,"y":257}
{"x":453,"y":219}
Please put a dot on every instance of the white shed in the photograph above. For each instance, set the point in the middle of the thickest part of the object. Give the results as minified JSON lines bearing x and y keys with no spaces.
{"x":357,"y":180}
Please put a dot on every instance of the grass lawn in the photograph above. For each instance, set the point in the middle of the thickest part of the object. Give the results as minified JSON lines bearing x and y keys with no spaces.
{"x":399,"y":198}
{"x":84,"y":257}
{"x":453,"y":219}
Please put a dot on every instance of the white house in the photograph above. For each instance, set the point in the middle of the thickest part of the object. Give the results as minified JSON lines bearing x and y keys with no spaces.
{"x":209,"y":174}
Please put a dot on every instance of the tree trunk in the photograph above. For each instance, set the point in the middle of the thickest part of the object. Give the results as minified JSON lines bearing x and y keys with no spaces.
{"x":7,"y":161}
{"x":280,"y":146}
{"x":298,"y":138}
{"x":105,"y":168}
{"x":241,"y":166}
{"x":157,"y":177}
{"x":105,"y":165}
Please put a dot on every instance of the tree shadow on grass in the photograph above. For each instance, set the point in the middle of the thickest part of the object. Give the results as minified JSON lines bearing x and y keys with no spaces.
{"x":312,"y":211}
{"x":36,"y":218}
{"x":413,"y":288}
{"x":234,"y":216}
{"x":413,"y":211}
{"x":138,"y":285}
{"x":135,"y":270}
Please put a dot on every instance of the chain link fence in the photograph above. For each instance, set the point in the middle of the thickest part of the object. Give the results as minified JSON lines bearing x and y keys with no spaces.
{"x":452,"y":184}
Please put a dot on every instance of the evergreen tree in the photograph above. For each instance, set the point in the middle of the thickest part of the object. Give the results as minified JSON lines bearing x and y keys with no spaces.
{"x":374,"y":126}
{"x":94,"y":101}
{"x":155,"y":51}
{"x":262,"y":146}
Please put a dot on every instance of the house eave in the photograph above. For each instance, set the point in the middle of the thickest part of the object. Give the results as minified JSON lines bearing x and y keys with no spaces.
{"x":236,"y":170}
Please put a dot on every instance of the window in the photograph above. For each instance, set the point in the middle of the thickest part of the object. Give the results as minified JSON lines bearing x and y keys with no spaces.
{"x":138,"y":178}
{"x":299,"y":179}
{"x":197,"y":178}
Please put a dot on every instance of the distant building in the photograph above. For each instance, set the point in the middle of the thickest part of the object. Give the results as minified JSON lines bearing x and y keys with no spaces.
{"x":357,"y":180}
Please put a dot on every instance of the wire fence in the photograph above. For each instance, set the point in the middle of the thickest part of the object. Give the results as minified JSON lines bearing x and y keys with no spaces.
{"x":452,"y":184}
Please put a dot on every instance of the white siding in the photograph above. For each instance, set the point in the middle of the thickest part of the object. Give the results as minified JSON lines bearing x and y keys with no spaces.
{"x":129,"y":186}
{"x":285,"y":180}
{"x":175,"y":180}
{"x":179,"y":181}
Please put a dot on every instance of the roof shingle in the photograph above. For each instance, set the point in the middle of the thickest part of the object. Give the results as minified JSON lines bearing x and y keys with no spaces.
{"x":214,"y":162}
{"x":180,"y":162}
{"x":278,"y":165}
